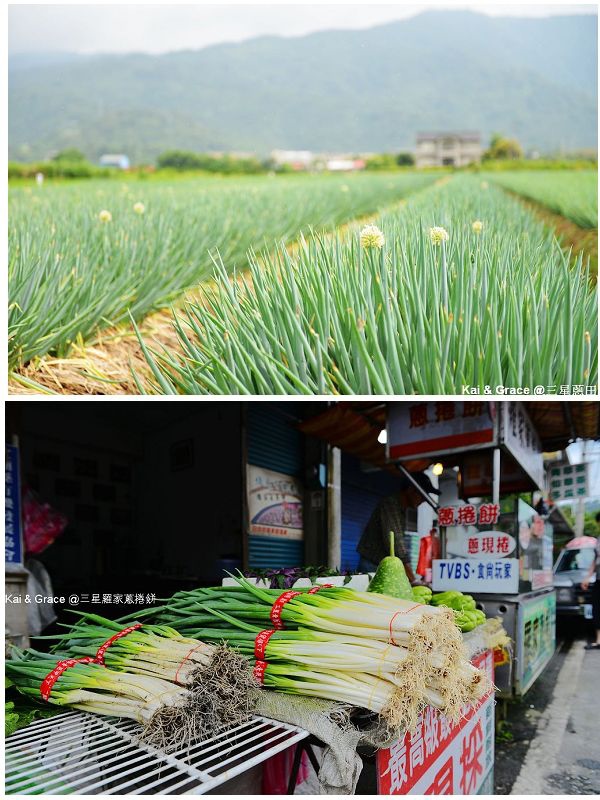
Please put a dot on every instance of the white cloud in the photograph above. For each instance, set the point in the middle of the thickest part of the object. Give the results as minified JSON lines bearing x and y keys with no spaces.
{"x":161,"y":28}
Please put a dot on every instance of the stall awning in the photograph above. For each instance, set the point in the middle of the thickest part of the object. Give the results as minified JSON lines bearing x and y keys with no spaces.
{"x":354,"y":428}
{"x":559,"y":423}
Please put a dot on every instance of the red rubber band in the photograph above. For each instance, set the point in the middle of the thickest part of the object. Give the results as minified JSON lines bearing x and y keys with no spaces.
{"x":61,"y":666}
{"x":104,"y":647}
{"x":408,"y":610}
{"x":318,"y":588}
{"x":197,"y":647}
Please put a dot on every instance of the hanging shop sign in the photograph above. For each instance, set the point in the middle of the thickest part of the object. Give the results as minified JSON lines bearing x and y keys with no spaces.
{"x":274,"y":504}
{"x":476,"y":475}
{"x":536,"y":637}
{"x":520,"y":438}
{"x":419,"y":429}
{"x":13,"y":534}
{"x":442,"y":757}
{"x":569,"y":481}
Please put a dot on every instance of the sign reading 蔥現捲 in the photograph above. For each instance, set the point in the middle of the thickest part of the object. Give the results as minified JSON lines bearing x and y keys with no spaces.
{"x":487,"y":545}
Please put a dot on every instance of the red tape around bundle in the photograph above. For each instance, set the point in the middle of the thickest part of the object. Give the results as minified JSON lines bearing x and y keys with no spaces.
{"x":104,"y":647}
{"x":261,"y":642}
{"x":62,"y":666}
{"x":278,"y":607}
{"x":318,"y":588}
{"x":259,"y":671}
{"x":408,"y":610}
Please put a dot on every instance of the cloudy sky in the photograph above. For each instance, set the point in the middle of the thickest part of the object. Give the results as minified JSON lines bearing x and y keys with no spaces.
{"x":162,"y":28}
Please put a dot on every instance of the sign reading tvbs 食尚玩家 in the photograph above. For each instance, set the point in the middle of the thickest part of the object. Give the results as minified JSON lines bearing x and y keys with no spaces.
{"x":13,"y":543}
{"x":476,"y":561}
{"x":442,"y":757}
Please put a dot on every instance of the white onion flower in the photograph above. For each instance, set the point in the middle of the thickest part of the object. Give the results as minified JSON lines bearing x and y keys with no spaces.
{"x":438,"y":235}
{"x":371,"y":236}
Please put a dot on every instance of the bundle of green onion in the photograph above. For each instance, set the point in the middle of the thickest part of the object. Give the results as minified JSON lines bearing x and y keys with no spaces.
{"x":387,"y":655}
{"x":213,"y":684}
{"x":160,"y":706}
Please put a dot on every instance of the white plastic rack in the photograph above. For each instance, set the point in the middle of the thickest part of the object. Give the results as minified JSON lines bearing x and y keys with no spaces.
{"x":80,"y":753}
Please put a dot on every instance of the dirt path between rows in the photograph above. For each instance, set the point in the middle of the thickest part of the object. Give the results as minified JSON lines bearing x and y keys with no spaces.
{"x":571,"y":235}
{"x":103,"y":366}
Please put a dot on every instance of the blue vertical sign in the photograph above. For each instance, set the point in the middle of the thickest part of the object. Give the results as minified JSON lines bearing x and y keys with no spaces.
{"x":12,"y":515}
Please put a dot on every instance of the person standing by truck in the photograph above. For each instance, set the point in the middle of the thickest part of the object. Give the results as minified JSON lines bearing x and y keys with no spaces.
{"x":594,"y":567}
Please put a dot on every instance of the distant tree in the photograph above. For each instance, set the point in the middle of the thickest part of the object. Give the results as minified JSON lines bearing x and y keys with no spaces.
{"x":186,"y":161}
{"x":591,"y":526}
{"x":382,"y":161}
{"x":502,"y":148}
{"x":71,"y":154}
{"x":405,"y":159}
{"x":179,"y":159}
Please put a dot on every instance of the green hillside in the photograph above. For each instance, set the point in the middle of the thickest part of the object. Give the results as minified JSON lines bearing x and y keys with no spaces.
{"x":366,"y":90}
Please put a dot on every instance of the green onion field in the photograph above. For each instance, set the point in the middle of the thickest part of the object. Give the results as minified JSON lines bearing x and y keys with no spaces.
{"x":573,"y":195}
{"x":401,"y":310}
{"x":71,"y":273}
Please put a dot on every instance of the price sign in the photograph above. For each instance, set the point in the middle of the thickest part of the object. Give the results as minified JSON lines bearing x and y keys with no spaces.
{"x":441,"y":757}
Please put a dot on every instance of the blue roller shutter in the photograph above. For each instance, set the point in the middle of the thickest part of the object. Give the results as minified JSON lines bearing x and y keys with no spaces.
{"x":273,"y":442}
{"x":361,"y":491}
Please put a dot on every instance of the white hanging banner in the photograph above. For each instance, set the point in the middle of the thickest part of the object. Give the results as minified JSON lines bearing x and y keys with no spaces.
{"x":423,"y":428}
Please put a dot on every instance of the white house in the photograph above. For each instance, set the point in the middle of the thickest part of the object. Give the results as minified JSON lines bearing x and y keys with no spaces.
{"x":116,"y":160}
{"x":447,"y":149}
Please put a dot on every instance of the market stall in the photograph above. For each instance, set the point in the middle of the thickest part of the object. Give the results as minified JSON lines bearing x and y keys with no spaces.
{"x":324,"y":661}
{"x":503,"y":560}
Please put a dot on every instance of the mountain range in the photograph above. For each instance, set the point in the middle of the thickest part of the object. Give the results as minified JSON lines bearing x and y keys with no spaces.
{"x":334,"y":91}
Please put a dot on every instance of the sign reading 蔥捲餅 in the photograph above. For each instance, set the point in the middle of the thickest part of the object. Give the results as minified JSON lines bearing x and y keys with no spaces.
{"x":274,"y":504}
{"x":441,"y":757}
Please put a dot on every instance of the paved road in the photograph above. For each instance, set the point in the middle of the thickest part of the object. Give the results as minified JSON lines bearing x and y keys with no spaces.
{"x":552,"y":735}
